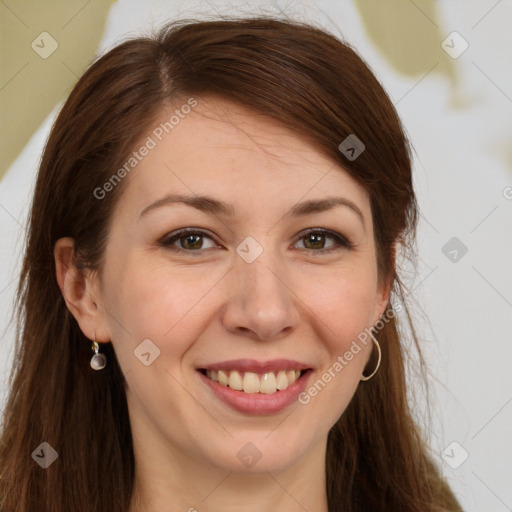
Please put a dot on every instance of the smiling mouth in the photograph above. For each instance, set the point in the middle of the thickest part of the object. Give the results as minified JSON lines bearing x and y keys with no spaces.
{"x":266,"y":383}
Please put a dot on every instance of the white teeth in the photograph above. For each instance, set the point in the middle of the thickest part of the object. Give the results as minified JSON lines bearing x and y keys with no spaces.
{"x":235,"y":381}
{"x":268,"y":383}
{"x":282,"y":380}
{"x":292,"y":376}
{"x":250,"y":382}
{"x":223,"y":378}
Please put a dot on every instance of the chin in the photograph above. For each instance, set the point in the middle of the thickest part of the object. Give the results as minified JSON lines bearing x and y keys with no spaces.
{"x":260,"y":452}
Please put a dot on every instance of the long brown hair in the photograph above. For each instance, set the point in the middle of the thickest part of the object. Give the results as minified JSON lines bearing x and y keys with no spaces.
{"x":312,"y":83}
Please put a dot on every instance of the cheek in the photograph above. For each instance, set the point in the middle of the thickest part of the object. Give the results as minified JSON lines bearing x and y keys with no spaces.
{"x":343,"y":307}
{"x":345,"y":303}
{"x":155,"y":302}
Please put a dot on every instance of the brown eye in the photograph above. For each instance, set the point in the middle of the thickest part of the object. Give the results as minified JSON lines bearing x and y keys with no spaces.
{"x":191,"y":241}
{"x":188,"y":240}
{"x":317,"y":240}
{"x":314,"y":241}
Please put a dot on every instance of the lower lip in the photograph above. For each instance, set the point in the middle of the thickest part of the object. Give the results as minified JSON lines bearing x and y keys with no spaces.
{"x":258,"y":403}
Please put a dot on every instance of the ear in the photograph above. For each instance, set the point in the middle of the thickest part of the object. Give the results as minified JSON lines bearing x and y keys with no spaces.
{"x":382,"y":299}
{"x":81,"y":291}
{"x":384,"y":288}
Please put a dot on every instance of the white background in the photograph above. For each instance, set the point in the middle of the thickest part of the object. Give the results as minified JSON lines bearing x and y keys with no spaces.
{"x":463,"y":165}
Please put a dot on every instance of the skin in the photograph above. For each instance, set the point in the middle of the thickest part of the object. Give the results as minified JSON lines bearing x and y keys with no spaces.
{"x":209,"y":305}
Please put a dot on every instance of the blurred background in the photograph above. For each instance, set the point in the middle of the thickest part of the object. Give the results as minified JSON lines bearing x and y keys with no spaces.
{"x":446,"y":66}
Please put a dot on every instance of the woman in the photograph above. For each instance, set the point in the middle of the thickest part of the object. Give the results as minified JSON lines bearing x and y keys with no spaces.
{"x":206,"y":313}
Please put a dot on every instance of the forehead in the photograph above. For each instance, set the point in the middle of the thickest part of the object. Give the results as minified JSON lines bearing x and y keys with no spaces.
{"x":222,"y":149}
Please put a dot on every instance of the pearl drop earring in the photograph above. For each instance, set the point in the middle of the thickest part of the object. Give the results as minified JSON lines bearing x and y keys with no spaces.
{"x":98,"y":361}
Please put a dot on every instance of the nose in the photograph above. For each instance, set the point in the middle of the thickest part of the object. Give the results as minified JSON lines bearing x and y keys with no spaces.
{"x":261,"y":303}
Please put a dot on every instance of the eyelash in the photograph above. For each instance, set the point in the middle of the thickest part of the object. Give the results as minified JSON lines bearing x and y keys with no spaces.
{"x":341,"y":241}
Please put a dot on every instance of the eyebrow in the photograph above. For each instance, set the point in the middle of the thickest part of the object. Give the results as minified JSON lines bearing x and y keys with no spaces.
{"x":210,"y":205}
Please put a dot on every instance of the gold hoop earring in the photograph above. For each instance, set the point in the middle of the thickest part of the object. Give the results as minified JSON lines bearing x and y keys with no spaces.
{"x":363,"y":377}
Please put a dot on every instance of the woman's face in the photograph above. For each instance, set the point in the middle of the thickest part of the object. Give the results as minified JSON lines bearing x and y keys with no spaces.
{"x":246,"y":290}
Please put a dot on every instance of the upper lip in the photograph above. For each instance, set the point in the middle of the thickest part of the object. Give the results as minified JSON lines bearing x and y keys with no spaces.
{"x":251,"y":365}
